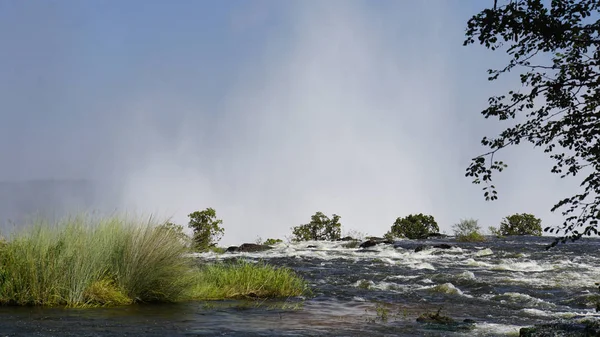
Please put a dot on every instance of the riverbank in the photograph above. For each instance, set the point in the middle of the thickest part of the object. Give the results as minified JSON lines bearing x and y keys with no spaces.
{"x":85,"y":262}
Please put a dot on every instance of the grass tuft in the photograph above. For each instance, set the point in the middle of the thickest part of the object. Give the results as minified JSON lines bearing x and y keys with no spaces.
{"x":471,"y":237}
{"x":241,"y":279}
{"x":105,"y":293}
{"x":468,"y":230}
{"x":81,"y":261}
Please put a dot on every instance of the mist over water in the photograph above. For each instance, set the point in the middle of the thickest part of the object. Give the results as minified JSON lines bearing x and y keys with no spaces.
{"x":265,"y":111}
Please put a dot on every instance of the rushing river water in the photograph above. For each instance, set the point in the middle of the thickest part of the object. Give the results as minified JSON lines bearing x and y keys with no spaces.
{"x":502,"y":285}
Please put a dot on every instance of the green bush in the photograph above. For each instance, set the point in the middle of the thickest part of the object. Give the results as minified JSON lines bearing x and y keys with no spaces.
{"x":270,"y":242}
{"x":320,"y":227}
{"x":86,"y":262}
{"x":521,"y":224}
{"x":414,"y":226}
{"x":207,"y":229}
{"x":468,"y":231}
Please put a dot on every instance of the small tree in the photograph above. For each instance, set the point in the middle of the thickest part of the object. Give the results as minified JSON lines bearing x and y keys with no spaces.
{"x":414,"y":226}
{"x":320,"y":227}
{"x":207,"y":231}
{"x":177,"y":230}
{"x":521,"y":224}
{"x":468,"y":230}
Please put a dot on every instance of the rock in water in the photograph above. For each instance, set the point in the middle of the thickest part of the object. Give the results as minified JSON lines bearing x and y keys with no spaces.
{"x":375,"y":241}
{"x":248,"y":248}
{"x":253,"y":247}
{"x":421,"y":247}
{"x":440,"y":246}
{"x":563,"y":328}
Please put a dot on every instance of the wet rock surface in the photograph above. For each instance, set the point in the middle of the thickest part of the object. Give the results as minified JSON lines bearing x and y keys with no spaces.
{"x":248,"y":248}
{"x":439,"y":246}
{"x":373,"y":241}
{"x":571,"y":328}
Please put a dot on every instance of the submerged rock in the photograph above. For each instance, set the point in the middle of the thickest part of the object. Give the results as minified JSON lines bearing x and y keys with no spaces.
{"x":248,"y":248}
{"x":440,"y":246}
{"x":445,"y":322}
{"x":435,"y":317}
{"x":311,"y":246}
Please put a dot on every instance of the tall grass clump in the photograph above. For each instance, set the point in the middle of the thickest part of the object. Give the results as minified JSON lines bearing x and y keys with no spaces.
{"x":468,"y":230}
{"x":241,"y":279}
{"x":82,"y":261}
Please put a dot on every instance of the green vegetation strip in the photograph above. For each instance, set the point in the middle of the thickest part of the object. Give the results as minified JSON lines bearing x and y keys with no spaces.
{"x":246,"y":280}
{"x":82,"y":262}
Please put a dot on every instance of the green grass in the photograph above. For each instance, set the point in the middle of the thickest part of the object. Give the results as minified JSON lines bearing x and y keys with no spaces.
{"x":240,"y":279}
{"x":468,"y":230}
{"x":83,"y":262}
{"x":471,"y":237}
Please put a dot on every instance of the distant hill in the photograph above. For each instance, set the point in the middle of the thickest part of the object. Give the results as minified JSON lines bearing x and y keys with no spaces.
{"x":48,"y":198}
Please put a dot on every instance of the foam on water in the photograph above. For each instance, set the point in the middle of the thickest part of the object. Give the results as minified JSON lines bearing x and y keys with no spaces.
{"x":447,"y":288}
{"x":467,"y":275}
{"x":484,"y":252}
{"x":494,"y":329}
{"x":522,"y":299}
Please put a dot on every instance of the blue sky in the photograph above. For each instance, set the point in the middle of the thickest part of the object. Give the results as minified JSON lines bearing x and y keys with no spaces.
{"x":265,"y":110}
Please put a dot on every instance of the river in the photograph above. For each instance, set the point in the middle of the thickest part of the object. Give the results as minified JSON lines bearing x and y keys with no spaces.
{"x":501,"y":285}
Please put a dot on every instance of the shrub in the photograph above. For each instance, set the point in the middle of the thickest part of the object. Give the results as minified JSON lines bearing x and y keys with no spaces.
{"x":494,"y":231}
{"x":468,"y":231}
{"x":521,"y":224}
{"x":207,"y":229}
{"x":414,"y":226}
{"x":242,"y":279}
{"x":320,"y":227}
{"x":270,"y":242}
{"x":84,"y":262}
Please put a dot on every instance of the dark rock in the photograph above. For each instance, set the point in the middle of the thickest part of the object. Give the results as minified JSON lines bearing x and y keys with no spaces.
{"x":367,"y":244}
{"x":436,"y":236}
{"x":562,"y":328}
{"x":469,"y":321}
{"x":248,"y":248}
{"x":440,"y":246}
{"x":372,"y":241}
{"x":421,"y":247}
{"x":347,"y":238}
{"x":311,"y":246}
{"x":253,"y":247}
